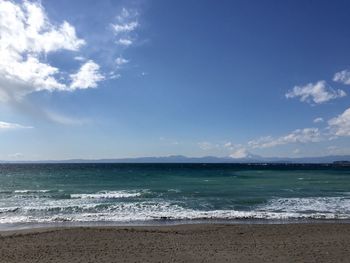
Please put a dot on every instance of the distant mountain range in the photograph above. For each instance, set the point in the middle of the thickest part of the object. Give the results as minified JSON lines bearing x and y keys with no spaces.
{"x":205,"y":159}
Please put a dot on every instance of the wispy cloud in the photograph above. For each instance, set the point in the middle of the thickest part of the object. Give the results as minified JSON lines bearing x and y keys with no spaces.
{"x":305,"y":135}
{"x":124,"y":42}
{"x":229,"y":145}
{"x":121,"y":61}
{"x":12,"y":126}
{"x":338,"y":126}
{"x":65,"y":120}
{"x":79,"y":58}
{"x":126,"y":23}
{"x":232,"y":150}
{"x":315,"y":93}
{"x":124,"y":29}
{"x":125,"y":26}
{"x":342,"y":77}
{"x":206,"y":145}
{"x":239,"y":153}
{"x":318,"y":120}
{"x":337,"y":150}
{"x":169,"y":141}
{"x":114,"y":75}
{"x":16,"y":155}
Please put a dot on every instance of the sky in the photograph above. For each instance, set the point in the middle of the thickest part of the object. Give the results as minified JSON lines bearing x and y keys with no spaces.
{"x":113,"y":79}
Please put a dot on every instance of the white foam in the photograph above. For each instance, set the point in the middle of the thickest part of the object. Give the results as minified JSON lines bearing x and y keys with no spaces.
{"x":174,"y":190}
{"x":107,"y":195}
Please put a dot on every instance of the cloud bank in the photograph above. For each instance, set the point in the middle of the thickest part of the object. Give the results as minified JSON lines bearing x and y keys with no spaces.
{"x":305,"y":135}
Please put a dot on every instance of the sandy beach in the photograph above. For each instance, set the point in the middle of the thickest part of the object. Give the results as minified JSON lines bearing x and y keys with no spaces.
{"x":182,"y":243}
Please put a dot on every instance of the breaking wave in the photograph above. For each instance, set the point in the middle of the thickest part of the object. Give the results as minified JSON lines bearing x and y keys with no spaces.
{"x":89,"y":209}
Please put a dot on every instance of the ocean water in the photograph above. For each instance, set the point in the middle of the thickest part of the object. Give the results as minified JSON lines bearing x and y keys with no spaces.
{"x":126,"y":193}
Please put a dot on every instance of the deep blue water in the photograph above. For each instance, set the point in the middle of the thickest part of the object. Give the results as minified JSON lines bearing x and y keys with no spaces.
{"x":44,"y":193}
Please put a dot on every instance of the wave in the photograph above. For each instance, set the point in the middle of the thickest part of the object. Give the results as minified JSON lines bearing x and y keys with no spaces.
{"x":25,"y":191}
{"x":277,"y":209}
{"x":31,"y":191}
{"x":8,"y":209}
{"x":107,"y":195}
{"x":328,"y":205}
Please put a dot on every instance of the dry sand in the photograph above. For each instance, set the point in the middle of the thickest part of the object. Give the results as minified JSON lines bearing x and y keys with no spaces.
{"x":183,"y":243}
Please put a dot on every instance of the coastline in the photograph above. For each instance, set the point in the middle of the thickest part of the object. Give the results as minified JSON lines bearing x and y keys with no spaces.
{"x":33,"y":226}
{"x":300,"y":242}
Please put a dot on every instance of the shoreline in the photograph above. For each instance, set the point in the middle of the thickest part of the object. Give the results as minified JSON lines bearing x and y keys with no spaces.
{"x":302,"y":242}
{"x":164,"y":223}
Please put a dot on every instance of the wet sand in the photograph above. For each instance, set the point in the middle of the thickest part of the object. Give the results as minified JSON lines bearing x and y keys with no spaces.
{"x":183,"y":243}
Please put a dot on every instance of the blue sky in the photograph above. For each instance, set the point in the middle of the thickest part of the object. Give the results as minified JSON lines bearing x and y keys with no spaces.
{"x":112,"y":79}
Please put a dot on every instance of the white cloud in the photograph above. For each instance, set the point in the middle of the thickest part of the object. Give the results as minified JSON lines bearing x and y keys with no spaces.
{"x":239,"y":153}
{"x":113,"y":75}
{"x":87,"y":77}
{"x":125,"y":14}
{"x":79,"y":58}
{"x":342,"y":77}
{"x":298,"y":136}
{"x":228,"y":145}
{"x":262,"y":142}
{"x":231,"y":149}
{"x":318,"y":120}
{"x":26,"y":36}
{"x":125,"y":26}
{"x":12,"y":126}
{"x":317,"y":93}
{"x":124,"y":42}
{"x":121,"y":61}
{"x":340,"y":125}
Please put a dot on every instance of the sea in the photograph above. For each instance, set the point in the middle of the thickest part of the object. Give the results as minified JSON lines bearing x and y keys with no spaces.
{"x":122,"y":194}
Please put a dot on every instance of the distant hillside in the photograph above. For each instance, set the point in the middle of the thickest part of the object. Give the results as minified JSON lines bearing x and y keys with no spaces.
{"x":205,"y":159}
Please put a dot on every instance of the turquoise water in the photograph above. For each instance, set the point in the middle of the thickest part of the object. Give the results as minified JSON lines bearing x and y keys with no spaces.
{"x":44,"y":193}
